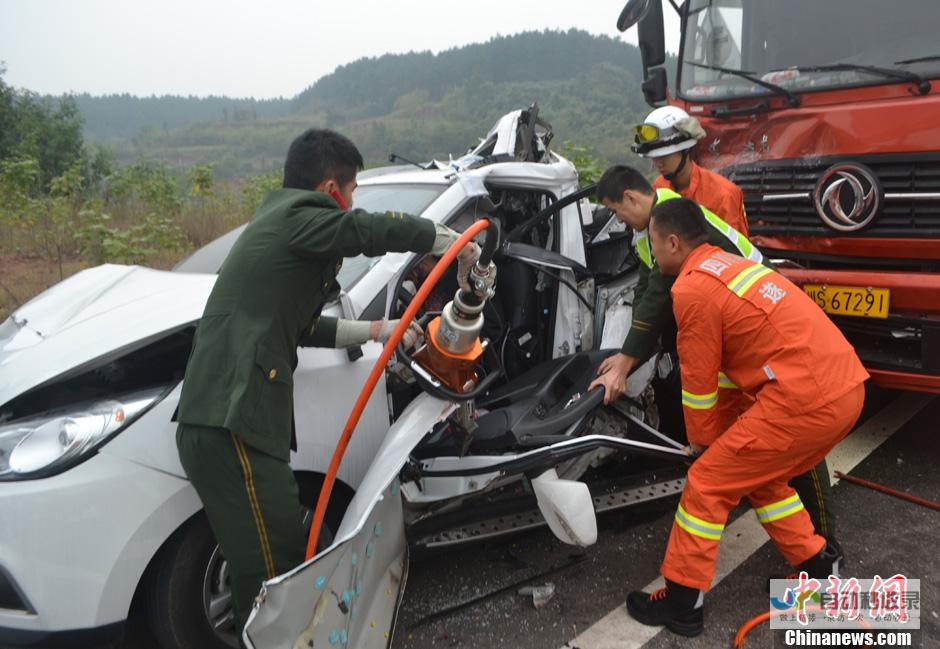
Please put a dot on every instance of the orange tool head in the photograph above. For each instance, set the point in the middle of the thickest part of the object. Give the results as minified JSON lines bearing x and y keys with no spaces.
{"x":454,"y":370}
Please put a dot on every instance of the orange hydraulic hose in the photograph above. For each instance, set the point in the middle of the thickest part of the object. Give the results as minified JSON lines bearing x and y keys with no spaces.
{"x":429,"y":283}
{"x":747,"y":626}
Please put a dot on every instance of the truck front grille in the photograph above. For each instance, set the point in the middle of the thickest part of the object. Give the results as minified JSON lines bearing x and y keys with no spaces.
{"x":902,"y":215}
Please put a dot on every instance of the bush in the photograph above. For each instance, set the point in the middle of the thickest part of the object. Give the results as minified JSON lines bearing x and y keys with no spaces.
{"x":590,"y":168}
{"x":102,"y":242}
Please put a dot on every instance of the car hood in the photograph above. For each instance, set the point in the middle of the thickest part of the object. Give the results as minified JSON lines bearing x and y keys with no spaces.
{"x":91,"y":314}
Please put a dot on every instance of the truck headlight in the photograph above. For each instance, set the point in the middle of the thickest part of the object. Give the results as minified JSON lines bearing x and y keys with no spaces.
{"x":38,"y":445}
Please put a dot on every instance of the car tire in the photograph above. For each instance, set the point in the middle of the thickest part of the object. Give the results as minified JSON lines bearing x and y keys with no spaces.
{"x":189,"y":576}
{"x":174,"y":599}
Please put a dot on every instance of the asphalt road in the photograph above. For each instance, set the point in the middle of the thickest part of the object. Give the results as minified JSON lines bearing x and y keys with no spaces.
{"x":468,"y":597}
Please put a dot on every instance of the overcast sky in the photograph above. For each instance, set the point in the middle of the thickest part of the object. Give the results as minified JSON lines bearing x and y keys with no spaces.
{"x":255,"y":48}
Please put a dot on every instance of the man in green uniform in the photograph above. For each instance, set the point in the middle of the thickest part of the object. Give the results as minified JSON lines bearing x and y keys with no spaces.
{"x":236,"y":408}
{"x":627,"y":193}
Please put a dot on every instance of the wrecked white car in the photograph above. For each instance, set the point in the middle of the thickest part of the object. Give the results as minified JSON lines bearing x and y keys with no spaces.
{"x":97,"y":509}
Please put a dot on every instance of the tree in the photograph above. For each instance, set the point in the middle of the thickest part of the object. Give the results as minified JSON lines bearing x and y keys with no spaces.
{"x":41,"y":129}
{"x":7,"y":116}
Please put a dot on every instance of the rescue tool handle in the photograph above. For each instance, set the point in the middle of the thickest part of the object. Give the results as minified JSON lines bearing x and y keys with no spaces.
{"x":490,"y":244}
{"x":377,"y":370}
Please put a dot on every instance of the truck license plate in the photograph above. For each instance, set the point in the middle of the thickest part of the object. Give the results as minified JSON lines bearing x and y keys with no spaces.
{"x":850,"y":300}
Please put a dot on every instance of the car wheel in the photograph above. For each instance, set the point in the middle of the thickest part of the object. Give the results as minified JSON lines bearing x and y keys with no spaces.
{"x":189,"y":600}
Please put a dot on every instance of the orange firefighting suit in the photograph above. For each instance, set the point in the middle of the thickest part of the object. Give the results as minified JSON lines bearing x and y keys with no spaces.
{"x":772,"y":342}
{"x":715,"y":192}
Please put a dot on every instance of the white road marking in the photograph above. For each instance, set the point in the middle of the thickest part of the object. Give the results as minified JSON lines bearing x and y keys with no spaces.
{"x":617,"y":630}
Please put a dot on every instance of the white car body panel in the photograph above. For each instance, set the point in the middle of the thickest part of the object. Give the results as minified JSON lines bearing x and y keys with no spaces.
{"x":75,"y":571}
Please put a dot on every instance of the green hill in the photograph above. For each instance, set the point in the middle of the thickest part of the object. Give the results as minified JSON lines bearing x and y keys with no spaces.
{"x":115,"y":117}
{"x":420,"y":105}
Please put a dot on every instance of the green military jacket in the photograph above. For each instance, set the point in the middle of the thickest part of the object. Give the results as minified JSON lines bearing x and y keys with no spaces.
{"x":267,"y":301}
{"x":652,"y":302}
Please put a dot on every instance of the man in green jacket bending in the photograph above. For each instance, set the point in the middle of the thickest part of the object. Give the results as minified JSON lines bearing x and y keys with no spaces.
{"x":236,"y":408}
{"x":627,"y":193}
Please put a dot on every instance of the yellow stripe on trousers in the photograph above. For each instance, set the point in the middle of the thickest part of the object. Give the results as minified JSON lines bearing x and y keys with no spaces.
{"x":255,"y":507}
{"x":823,"y":519}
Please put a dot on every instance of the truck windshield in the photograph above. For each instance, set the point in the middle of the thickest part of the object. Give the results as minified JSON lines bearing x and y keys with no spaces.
{"x":804,"y":45}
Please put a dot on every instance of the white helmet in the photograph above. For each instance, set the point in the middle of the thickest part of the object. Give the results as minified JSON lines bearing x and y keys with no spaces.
{"x":666,"y":130}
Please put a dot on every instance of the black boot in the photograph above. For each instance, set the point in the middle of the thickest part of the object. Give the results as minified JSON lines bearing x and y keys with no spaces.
{"x":678,"y":607}
{"x":826,"y":563}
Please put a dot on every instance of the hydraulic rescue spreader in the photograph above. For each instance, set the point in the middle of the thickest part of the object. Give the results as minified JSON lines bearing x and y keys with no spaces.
{"x":453,"y":338}
{"x":476,"y":279}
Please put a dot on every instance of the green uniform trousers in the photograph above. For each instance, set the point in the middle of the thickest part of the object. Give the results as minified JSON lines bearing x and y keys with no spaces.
{"x":251,"y":501}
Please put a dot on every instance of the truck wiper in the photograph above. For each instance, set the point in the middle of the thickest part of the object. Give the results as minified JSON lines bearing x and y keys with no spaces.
{"x":792,"y":100}
{"x":922,"y":59}
{"x":923,"y":86}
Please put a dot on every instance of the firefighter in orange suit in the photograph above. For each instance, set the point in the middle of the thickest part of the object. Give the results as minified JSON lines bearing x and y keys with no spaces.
{"x":776,"y":345}
{"x":667,"y":137}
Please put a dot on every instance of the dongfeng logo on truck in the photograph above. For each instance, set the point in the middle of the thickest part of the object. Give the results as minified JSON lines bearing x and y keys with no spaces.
{"x":847,"y":197}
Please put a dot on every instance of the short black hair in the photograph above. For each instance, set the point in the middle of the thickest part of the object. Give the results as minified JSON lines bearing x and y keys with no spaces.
{"x":619,"y":178}
{"x":682,"y":217}
{"x":319,"y":154}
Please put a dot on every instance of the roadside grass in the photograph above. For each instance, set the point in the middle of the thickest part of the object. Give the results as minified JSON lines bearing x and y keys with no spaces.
{"x":22,"y":278}
{"x":142,"y":214}
{"x":132,"y":232}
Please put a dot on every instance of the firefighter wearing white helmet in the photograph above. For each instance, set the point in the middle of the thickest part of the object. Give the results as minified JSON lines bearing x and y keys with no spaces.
{"x":668,"y":136}
{"x":666,"y":130}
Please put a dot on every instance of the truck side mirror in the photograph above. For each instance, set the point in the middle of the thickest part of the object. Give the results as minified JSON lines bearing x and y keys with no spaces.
{"x":654,"y":87}
{"x":632,"y":13}
{"x":651,"y":36}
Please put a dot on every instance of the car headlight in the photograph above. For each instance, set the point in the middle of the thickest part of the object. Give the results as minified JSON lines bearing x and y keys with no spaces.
{"x":39,"y":445}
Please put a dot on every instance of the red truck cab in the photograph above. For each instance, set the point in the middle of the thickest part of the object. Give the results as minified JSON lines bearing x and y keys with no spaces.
{"x":827,"y":114}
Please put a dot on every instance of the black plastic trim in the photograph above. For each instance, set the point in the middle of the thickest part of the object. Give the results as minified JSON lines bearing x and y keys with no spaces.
{"x":823,"y":261}
{"x":18,"y":600}
{"x":97,"y":636}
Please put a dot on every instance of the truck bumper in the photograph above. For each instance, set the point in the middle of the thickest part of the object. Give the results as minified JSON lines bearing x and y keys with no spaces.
{"x":902,"y":351}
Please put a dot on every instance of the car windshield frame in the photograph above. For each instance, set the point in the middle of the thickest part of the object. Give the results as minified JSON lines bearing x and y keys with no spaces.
{"x":694,"y":61}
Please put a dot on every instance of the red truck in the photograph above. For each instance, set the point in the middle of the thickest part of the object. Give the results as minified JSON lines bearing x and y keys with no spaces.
{"x":827,"y":114}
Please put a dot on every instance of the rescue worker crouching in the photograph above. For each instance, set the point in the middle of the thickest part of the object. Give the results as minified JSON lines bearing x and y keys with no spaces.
{"x":236,"y":408}
{"x":627,"y":193}
{"x":668,"y":137}
{"x":776,"y":345}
